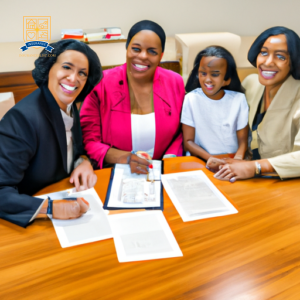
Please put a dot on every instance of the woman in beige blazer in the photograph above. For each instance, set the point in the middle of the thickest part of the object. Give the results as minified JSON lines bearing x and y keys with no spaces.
{"x":274,"y":116}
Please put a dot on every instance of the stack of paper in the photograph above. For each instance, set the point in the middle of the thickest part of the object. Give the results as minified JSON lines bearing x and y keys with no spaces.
{"x":143,"y":236}
{"x":195,"y":196}
{"x":76,"y":34}
{"x":108,"y":33}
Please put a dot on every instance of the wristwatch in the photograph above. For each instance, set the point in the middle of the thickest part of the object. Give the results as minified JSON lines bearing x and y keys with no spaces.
{"x":50,"y":206}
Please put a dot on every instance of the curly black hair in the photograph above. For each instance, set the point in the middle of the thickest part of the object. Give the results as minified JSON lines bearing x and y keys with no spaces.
{"x":217,"y":51}
{"x":46,"y":60}
{"x":293,"y":44}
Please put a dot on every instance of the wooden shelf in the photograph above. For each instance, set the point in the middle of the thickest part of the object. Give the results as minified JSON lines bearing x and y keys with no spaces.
{"x":107,"y":41}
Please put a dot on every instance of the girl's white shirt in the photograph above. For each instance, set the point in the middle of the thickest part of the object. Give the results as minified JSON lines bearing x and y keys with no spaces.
{"x":215,"y":121}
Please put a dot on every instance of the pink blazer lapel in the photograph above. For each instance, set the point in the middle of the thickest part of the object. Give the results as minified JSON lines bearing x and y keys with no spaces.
{"x":162,"y":109}
{"x":121,"y":115}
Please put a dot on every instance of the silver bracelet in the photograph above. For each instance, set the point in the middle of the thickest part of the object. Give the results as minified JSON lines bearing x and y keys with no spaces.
{"x":257,"y":169}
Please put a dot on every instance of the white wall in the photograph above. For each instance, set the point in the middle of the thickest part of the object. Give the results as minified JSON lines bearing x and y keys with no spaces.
{"x":236,"y":16}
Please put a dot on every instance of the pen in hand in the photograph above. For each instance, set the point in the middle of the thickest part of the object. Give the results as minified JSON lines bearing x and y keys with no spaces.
{"x":152,"y":186}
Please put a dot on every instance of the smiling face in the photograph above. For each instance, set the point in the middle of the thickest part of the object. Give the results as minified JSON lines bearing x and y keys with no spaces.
{"x":273,"y":61}
{"x":212,"y":71}
{"x":143,"y":55}
{"x":67,"y":77}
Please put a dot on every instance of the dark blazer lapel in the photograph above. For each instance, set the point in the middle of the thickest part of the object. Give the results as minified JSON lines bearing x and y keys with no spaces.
{"x":76,"y":134}
{"x":257,"y":96}
{"x":53,"y":114}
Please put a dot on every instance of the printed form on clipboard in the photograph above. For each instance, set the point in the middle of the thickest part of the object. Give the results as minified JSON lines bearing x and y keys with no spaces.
{"x":133,"y":191}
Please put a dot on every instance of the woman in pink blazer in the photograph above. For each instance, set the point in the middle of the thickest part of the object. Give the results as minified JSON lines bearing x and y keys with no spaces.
{"x":138,"y":92}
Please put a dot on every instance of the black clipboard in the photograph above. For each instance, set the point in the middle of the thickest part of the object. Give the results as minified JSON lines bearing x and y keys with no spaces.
{"x":161,"y":207}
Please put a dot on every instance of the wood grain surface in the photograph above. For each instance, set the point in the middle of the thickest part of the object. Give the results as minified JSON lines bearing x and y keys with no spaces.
{"x":254,"y":254}
{"x":20,"y":83}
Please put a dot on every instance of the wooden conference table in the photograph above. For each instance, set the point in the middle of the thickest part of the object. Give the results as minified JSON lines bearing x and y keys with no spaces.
{"x":254,"y":254}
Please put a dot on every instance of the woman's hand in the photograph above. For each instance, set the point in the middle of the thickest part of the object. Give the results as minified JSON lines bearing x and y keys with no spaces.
{"x":83,"y":175}
{"x":214,"y":164}
{"x":234,"y":170}
{"x":69,"y":209}
{"x":137,"y":164}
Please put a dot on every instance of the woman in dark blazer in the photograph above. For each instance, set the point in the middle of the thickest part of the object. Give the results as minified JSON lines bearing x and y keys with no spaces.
{"x":40,"y":137}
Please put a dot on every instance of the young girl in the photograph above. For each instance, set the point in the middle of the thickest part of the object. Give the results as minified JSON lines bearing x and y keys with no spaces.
{"x":215,"y":111}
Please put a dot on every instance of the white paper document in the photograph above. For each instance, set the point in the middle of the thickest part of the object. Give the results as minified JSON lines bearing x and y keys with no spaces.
{"x":90,"y":227}
{"x":133,"y":190}
{"x":143,"y":236}
{"x":195,"y":196}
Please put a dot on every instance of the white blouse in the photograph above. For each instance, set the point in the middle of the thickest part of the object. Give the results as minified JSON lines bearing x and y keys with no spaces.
{"x":143,"y":132}
{"x":68,"y":121}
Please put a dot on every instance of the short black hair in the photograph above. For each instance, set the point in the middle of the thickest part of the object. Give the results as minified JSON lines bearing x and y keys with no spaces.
{"x":46,"y":60}
{"x":217,"y":51}
{"x":147,"y":25}
{"x":293,"y":45}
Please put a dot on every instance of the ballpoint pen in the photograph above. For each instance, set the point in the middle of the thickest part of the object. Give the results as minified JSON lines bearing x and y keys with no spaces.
{"x":152,"y":186}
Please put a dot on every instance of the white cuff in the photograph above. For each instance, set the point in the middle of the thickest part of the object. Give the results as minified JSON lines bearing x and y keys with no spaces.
{"x":169,"y":155}
{"x":78,"y":162}
{"x":38,"y":210}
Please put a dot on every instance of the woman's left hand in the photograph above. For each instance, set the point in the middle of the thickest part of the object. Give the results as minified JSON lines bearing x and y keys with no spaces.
{"x":236,"y":170}
{"x":66,"y":209}
{"x":83,"y":175}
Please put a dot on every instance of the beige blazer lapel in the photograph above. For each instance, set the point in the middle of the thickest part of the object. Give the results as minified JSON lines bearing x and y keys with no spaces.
{"x":254,"y":92}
